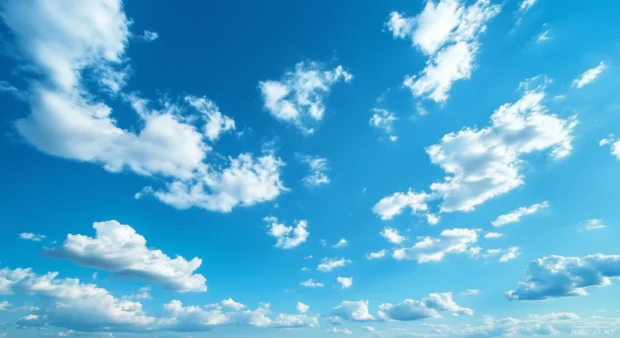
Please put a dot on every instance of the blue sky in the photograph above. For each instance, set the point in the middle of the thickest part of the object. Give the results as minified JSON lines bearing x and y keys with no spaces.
{"x":268,"y":169}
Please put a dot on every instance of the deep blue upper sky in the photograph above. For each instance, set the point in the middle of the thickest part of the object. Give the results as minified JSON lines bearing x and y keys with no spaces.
{"x":468,"y":145}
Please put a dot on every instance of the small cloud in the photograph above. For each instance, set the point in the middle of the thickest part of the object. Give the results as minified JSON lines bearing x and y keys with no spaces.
{"x":31,"y":237}
{"x":149,"y":36}
{"x":593,"y":224}
{"x":345,"y":282}
{"x":311,"y":283}
{"x":589,"y":75}
{"x":470,"y":292}
{"x":341,"y":244}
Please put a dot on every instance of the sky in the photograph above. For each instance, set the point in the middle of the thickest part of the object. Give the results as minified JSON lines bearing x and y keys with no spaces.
{"x":404,"y":168}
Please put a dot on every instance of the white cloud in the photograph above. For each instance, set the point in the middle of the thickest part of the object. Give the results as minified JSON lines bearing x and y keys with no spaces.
{"x":484,"y":163}
{"x":318,"y":170}
{"x":339,"y":330}
{"x":341,"y":244}
{"x":143,"y":293}
{"x":515,"y":215}
{"x":71,"y":304}
{"x":551,"y":324}
{"x":384,"y":120}
{"x":393,"y":205}
{"x":429,"y":307}
{"x":287,"y":236}
{"x":470,"y":292}
{"x":614,"y":144}
{"x":302,"y":308}
{"x":589,"y":75}
{"x":493,"y":235}
{"x":594,"y":224}
{"x":310,"y":283}
{"x":231,"y":304}
{"x":353,"y":310}
{"x":65,"y":43}
{"x":505,"y":254}
{"x":118,"y":248}
{"x":510,"y":254}
{"x":371,"y":329}
{"x":31,"y":237}
{"x":544,"y":36}
{"x":246,"y":181}
{"x":376,"y":254}
{"x":526,"y":5}
{"x":345,"y":282}
{"x":559,"y":276}
{"x":392,"y":235}
{"x":5,"y":306}
{"x":329,"y":264}
{"x":216,"y":122}
{"x":434,"y":249}
{"x":150,"y":35}
{"x":447,"y":32}
{"x":298,"y":97}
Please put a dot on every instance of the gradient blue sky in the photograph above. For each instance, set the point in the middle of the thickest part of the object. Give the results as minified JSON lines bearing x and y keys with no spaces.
{"x":102,"y":121}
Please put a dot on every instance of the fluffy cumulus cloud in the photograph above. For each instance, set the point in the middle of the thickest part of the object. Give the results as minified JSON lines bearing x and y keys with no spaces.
{"x":118,"y":248}
{"x":329,"y":264}
{"x":482,"y":163}
{"x":589,"y":76}
{"x":29,"y":236}
{"x":485,"y":163}
{"x":551,"y":324}
{"x":447,"y":33}
{"x":298,"y":97}
{"x":318,"y":170}
{"x":384,"y":120}
{"x":70,"y":304}
{"x":353,"y":310}
{"x":393,"y":205}
{"x":65,"y":43}
{"x":392,"y":235}
{"x":302,"y":308}
{"x":614,"y":145}
{"x":515,"y":215}
{"x":287,"y":236}
{"x":311,"y":283}
{"x":376,"y":254}
{"x":428,"y":307}
{"x":434,"y":249}
{"x":345,"y":282}
{"x":559,"y":276}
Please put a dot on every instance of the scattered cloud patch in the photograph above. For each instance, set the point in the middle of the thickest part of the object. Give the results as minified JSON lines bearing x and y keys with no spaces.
{"x":288,"y":237}
{"x":298,"y":97}
{"x":120,"y":249}
{"x":515,"y":215}
{"x":470,"y":292}
{"x":149,"y":35}
{"x":31,"y":237}
{"x":339,"y":330}
{"x":353,"y":310}
{"x":594,"y":224}
{"x":302,"y":308}
{"x":392,"y":235}
{"x":429,"y":307}
{"x":493,"y":235}
{"x":434,"y":249}
{"x":559,"y":276}
{"x":447,"y":32}
{"x":329,"y":264}
{"x":310,"y":283}
{"x":318,"y":171}
{"x":393,"y":205}
{"x":589,"y":75}
{"x":384,"y":120}
{"x":342,"y":243}
{"x":376,"y":254}
{"x":345,"y":282}
{"x":613,"y":143}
